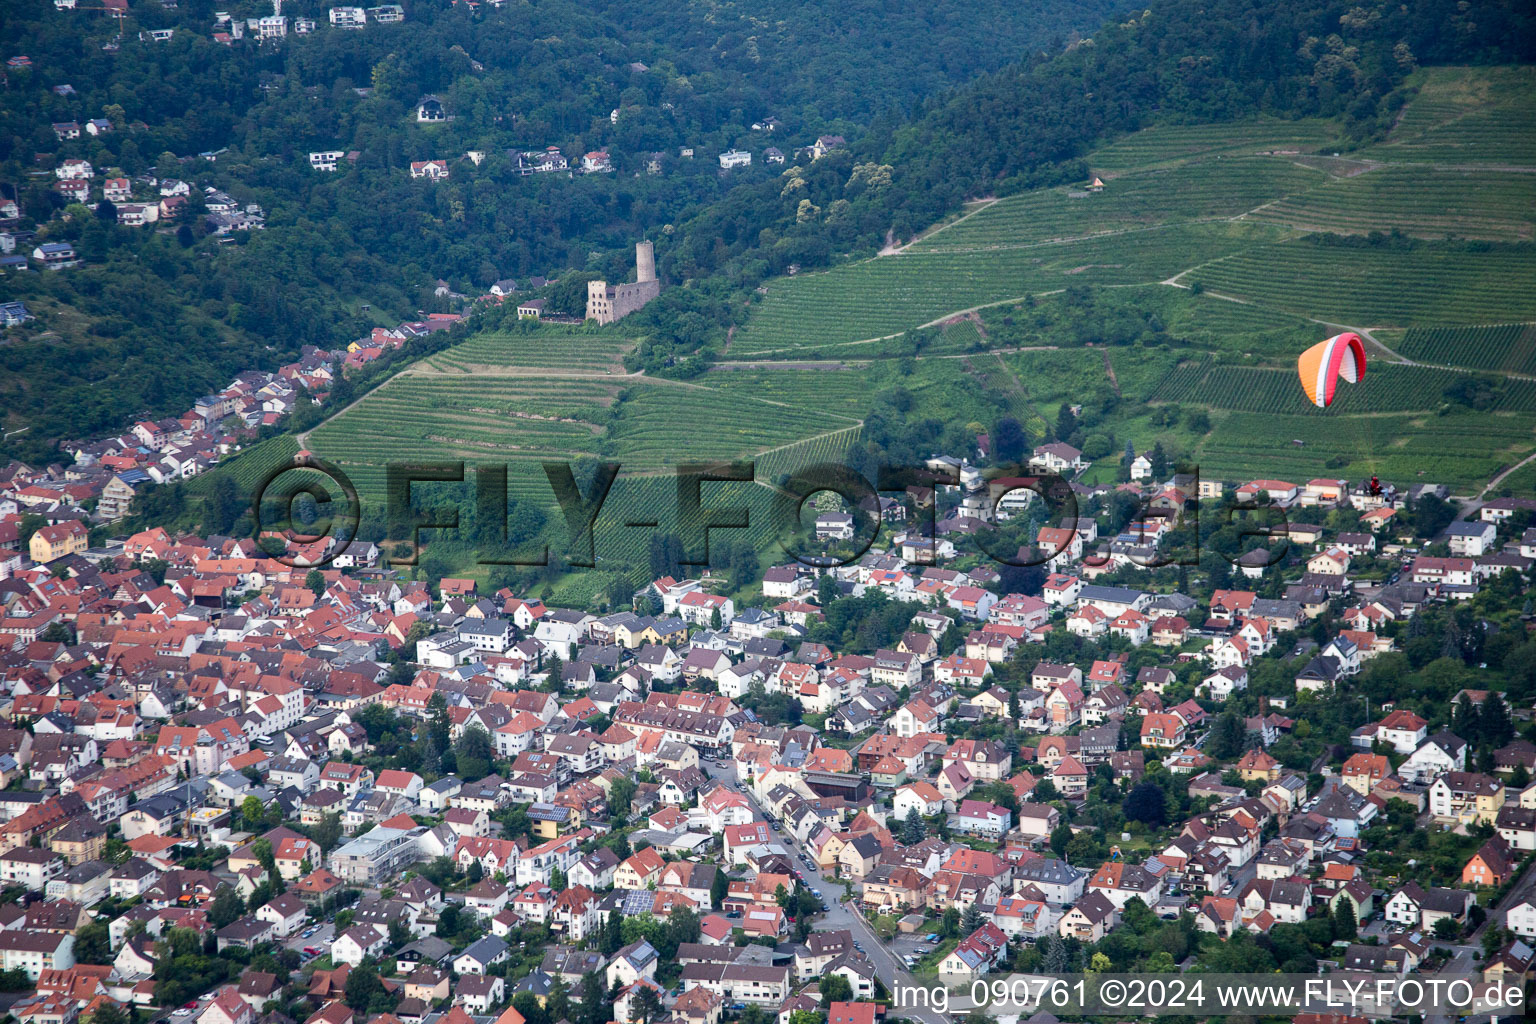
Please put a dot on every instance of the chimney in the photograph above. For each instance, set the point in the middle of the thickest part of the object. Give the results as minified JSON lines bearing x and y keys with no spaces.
{"x":645,"y":262}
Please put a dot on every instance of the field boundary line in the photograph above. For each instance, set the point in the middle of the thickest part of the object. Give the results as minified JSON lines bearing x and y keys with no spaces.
{"x":981,"y":204}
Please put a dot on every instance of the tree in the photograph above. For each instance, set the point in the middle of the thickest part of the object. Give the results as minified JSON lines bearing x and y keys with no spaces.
{"x":950,"y":923}
{"x":620,"y":793}
{"x":1009,"y":440}
{"x":1066,"y":422}
{"x":913,"y":830}
{"x":327,"y":831}
{"x":473,"y":753}
{"x":613,"y":933}
{"x":363,"y":986}
{"x":93,"y":944}
{"x":835,"y":989}
{"x":251,"y":809}
{"x":1228,"y":735}
{"x":1494,"y":724}
{"x":645,"y":1005}
{"x":971,"y":919}
{"x":226,"y":908}
{"x":109,"y":1012}
{"x":719,"y":888}
{"x":314,"y":580}
{"x":595,"y":1008}
{"x":1061,"y":836}
{"x":262,"y":848}
{"x":1146,"y":803}
{"x":558,"y":1003}
{"x":1345,"y":925}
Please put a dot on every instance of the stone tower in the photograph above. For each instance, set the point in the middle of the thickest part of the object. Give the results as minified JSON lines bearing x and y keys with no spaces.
{"x":645,"y":262}
{"x":607,"y":303}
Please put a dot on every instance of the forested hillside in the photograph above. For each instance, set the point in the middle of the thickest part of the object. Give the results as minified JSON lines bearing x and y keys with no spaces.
{"x":632,"y":79}
{"x":1179,"y":62}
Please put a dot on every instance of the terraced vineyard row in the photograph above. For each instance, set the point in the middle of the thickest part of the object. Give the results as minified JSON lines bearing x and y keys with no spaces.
{"x":1422,"y":201}
{"x":1437,"y":283}
{"x":1207,"y":188}
{"x":1500,"y":134}
{"x":844,"y":392}
{"x":1449,"y":92}
{"x":1182,"y":383}
{"x":252,"y":466}
{"x":1163,"y":144}
{"x":814,"y":451}
{"x":569,"y":350}
{"x":636,"y":499}
{"x":662,"y":426}
{"x":1509,"y":348}
{"x":1403,"y":448}
{"x":1387,"y":387}
{"x":887,"y":295}
{"x":960,"y":336}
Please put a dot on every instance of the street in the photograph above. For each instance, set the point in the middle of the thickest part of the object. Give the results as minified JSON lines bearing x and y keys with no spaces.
{"x":840,"y":915}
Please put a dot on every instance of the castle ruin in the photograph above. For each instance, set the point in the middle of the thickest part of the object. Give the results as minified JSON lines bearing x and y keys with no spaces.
{"x":607,"y":303}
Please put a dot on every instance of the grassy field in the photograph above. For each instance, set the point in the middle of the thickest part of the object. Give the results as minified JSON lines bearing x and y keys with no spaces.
{"x":1152,"y":314}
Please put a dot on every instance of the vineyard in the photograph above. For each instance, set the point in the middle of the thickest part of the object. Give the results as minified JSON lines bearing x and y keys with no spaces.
{"x":891,"y":294}
{"x":1202,"y":189}
{"x":568,"y":349}
{"x":1467,"y":115}
{"x":661,"y":426}
{"x":623,"y":548}
{"x":525,"y":420}
{"x":1175,"y":143}
{"x":1387,"y":387}
{"x":834,"y":389}
{"x":960,"y":336}
{"x":815,"y":451}
{"x":1427,"y":283}
{"x":252,"y":466}
{"x":1422,"y":201}
{"x":1462,"y":451}
{"x":1508,"y":348}
{"x":995,"y":376}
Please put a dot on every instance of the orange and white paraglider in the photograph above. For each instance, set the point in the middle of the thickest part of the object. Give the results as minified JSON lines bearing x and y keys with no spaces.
{"x":1321,"y":366}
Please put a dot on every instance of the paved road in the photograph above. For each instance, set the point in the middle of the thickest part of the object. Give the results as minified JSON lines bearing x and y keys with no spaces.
{"x":840,"y":915}
{"x":1524,"y":888}
{"x":321,"y":940}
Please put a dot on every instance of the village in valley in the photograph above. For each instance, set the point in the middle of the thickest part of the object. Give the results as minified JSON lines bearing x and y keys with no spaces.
{"x":243,"y":790}
{"x":1084,"y":643}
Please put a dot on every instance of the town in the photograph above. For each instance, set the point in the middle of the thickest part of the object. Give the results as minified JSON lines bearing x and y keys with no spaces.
{"x":241,"y":790}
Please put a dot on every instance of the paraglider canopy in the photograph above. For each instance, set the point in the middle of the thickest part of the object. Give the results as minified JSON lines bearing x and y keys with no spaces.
{"x":1321,"y":366}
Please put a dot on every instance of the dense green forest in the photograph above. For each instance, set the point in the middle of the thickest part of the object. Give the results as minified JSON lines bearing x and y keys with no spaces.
{"x":524,"y":76}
